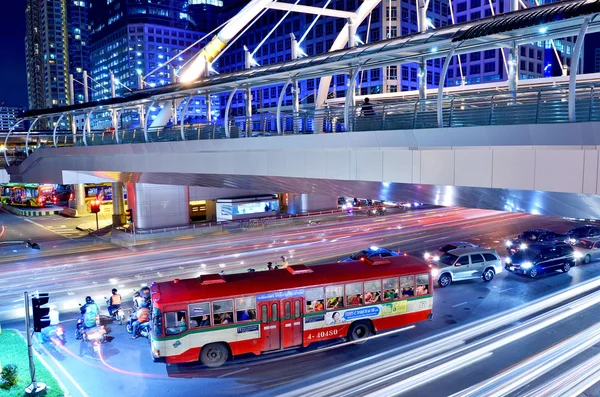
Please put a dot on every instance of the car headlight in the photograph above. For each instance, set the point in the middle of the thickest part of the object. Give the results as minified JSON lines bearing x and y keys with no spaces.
{"x":578,"y":255}
{"x":508,"y":260}
{"x":572,"y":241}
{"x":427,"y":255}
{"x":436,"y":258}
{"x":523,"y":246}
{"x":527,"y":265}
{"x":435,"y":272}
{"x":509,"y":243}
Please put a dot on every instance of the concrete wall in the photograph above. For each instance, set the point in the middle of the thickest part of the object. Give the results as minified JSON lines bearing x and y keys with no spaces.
{"x":158,"y":206}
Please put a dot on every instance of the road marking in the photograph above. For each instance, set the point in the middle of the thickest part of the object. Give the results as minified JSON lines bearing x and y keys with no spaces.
{"x":46,"y":228}
{"x":504,"y":290}
{"x":460,"y":304}
{"x":234,"y":372}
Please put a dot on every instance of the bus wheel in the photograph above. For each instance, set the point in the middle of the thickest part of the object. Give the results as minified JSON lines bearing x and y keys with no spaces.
{"x":359,"y":330}
{"x":214,"y":355}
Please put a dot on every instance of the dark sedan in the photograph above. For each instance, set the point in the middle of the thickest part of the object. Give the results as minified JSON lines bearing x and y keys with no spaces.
{"x":583,"y":231}
{"x":534,"y":236}
{"x":372,"y":253}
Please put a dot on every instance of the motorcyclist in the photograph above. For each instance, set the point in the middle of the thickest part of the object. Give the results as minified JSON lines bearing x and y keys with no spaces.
{"x":114,"y":302}
{"x":89,"y":312}
{"x":54,"y":320}
{"x":142,"y":315}
{"x":137,"y":300}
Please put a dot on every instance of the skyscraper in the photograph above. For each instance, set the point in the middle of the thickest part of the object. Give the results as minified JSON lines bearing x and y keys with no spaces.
{"x":47,"y":53}
{"x":56,"y":43}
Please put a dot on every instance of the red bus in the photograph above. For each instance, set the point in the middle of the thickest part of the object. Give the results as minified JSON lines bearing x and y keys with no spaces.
{"x":214,"y":317}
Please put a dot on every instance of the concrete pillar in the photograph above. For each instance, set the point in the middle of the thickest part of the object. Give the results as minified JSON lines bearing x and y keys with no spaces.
{"x":118,"y":217}
{"x":303,"y":203}
{"x":513,"y":61}
{"x":86,"y":98}
{"x":208,"y":109}
{"x":79,"y":203}
{"x":158,"y":206}
{"x":248,"y":112}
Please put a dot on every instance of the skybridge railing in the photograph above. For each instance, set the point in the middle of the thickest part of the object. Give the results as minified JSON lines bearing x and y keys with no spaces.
{"x":540,"y":106}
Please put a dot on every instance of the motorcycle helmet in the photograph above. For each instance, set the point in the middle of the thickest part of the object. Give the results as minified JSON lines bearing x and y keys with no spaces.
{"x":114,"y":290}
{"x":88,"y":299}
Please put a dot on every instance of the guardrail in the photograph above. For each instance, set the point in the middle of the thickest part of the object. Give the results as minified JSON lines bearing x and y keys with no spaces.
{"x":534,"y":106}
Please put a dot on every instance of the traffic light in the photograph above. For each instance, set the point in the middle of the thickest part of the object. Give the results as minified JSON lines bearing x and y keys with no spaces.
{"x":130,"y":215}
{"x":41,"y":318}
{"x":95,"y":206}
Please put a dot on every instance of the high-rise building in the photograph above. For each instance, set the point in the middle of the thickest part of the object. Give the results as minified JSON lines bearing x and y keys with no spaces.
{"x":57,"y":40}
{"x":79,"y":32}
{"x":8,"y":117}
{"x":134,"y":39}
{"x":389,"y":19}
{"x":534,"y":60}
{"x":47,"y":53}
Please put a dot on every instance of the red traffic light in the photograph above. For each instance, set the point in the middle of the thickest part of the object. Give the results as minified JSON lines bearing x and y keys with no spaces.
{"x":94,"y":206}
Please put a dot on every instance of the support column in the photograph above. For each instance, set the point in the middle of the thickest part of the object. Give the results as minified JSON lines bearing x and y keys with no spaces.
{"x":350,"y":101}
{"x":208,"y":109}
{"x":118,"y":217}
{"x":440,"y":97}
{"x":305,"y":203}
{"x":86,"y":98}
{"x":79,"y":203}
{"x":248,"y":95}
{"x":295,"y":89}
{"x":574,"y":66}
{"x":423,"y":79}
{"x":113,"y":87}
{"x":351,"y":33}
{"x":513,"y":61}
{"x":72,"y":102}
{"x":422,"y":14}
{"x":158,"y":206}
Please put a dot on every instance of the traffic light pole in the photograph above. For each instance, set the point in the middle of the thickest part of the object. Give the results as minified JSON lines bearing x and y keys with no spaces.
{"x":97,"y":227}
{"x":35,"y":388}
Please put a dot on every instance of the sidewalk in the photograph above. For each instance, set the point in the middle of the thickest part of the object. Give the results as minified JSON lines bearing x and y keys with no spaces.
{"x":29,"y":212}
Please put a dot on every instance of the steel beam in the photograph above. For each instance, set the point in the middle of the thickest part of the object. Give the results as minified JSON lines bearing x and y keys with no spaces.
{"x":27,"y":137}
{"x":311,"y":10}
{"x":227,"y":108}
{"x":146,"y":121}
{"x":6,"y":139}
{"x":440,"y":97}
{"x":87,"y":125}
{"x":279,"y":102}
{"x":350,"y":94}
{"x":183,"y":112}
{"x":55,"y":128}
{"x":574,"y":67}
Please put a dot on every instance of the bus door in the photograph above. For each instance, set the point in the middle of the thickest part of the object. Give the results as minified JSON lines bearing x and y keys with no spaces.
{"x":269,"y":323}
{"x":291,"y":322}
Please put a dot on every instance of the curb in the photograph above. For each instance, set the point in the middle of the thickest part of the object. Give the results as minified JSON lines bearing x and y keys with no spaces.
{"x":30,"y":213}
{"x":66,"y":392}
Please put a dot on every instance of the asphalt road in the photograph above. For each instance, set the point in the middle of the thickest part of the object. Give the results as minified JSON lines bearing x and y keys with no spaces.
{"x":70,"y":277}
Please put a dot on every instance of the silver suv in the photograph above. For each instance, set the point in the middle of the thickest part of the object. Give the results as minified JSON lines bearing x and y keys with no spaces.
{"x":466,"y":264}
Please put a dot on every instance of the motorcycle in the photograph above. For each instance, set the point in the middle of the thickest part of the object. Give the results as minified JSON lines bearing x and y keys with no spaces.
{"x":92,"y":338}
{"x":143,"y":329}
{"x":117,"y":315}
{"x":54,"y":334}
{"x":80,"y":328}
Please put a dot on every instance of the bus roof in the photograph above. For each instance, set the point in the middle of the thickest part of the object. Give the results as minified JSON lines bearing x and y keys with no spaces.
{"x":210,"y":287}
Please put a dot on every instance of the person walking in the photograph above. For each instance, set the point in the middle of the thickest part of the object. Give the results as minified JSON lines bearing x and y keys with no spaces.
{"x":367,"y":109}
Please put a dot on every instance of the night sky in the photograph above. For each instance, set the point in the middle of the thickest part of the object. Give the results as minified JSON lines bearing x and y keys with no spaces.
{"x":13,"y":78}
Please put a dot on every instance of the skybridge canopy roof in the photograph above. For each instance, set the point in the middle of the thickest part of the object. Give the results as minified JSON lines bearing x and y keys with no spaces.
{"x":558,"y":20}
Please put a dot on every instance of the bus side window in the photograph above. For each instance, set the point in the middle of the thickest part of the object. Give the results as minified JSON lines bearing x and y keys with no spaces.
{"x":314,"y":300}
{"x":245,"y":309}
{"x":297,"y":308}
{"x":223,"y":312}
{"x":423,"y":284}
{"x":354,"y":294}
{"x":264,"y":315}
{"x":372,"y":291}
{"x":407,"y":284}
{"x":175,"y":322}
{"x":335,"y":296}
{"x":287,"y":310}
{"x":390,"y":289}
{"x":199,"y":314}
